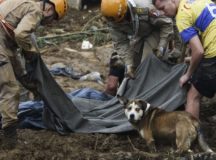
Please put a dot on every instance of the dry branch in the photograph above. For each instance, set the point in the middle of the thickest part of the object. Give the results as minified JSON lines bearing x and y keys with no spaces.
{"x":98,"y":34}
{"x":88,"y":32}
{"x":91,"y":20}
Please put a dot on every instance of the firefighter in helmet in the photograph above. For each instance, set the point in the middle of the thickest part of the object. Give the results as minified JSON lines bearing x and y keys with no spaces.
{"x":18,"y":20}
{"x":131,"y":23}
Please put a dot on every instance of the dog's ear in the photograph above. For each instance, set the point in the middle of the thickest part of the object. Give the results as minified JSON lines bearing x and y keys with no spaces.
{"x":143,"y":104}
{"x":122,"y":100}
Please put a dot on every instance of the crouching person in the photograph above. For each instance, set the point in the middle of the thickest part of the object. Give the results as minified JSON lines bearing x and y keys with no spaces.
{"x":131,"y":22}
{"x":19,"y":19}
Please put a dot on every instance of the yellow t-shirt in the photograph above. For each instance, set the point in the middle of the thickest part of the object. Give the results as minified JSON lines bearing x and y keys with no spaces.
{"x":197,"y":17}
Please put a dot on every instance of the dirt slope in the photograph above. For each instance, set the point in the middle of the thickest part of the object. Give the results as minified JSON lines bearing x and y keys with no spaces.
{"x":48,"y":145}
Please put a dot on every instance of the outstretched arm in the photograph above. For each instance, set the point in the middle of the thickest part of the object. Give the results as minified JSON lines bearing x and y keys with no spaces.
{"x":196,"y":56}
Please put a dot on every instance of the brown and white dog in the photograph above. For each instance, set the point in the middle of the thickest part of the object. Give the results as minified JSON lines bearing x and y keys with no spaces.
{"x":154,"y":123}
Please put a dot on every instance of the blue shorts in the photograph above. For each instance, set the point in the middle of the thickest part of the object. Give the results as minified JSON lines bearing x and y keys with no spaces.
{"x":204,"y":78}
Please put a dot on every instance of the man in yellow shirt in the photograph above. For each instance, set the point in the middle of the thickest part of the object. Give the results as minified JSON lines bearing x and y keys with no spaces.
{"x":196,"y":24}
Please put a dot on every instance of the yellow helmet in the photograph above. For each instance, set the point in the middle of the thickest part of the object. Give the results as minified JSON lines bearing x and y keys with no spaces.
{"x":115,"y":9}
{"x":61,"y":7}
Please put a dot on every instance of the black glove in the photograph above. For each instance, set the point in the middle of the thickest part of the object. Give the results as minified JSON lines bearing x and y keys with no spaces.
{"x":30,"y":56}
{"x":30,"y":60}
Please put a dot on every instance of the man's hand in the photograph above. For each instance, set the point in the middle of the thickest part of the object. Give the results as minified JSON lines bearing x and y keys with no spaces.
{"x":187,"y":59}
{"x":155,"y":13}
{"x":174,"y":54}
{"x":130,"y":72}
{"x":184,"y":79}
{"x":159,"y":52}
{"x":30,"y":56}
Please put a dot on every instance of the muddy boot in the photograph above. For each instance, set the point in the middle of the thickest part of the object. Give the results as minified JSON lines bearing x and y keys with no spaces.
{"x":9,"y":140}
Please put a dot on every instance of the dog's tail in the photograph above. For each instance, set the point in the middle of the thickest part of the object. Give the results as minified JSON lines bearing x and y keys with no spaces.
{"x":204,"y":146}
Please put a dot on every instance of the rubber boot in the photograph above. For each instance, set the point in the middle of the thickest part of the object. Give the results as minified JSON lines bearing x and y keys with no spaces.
{"x":9,"y":140}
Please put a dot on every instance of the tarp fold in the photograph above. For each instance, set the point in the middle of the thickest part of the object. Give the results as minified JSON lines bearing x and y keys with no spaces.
{"x":156,"y":82}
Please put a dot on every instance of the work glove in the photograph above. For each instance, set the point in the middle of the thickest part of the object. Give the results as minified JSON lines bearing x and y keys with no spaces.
{"x":159,"y":52}
{"x":130,"y":71}
{"x":28,"y":80}
{"x":30,"y":60}
{"x":174,"y":54}
{"x":30,"y":56}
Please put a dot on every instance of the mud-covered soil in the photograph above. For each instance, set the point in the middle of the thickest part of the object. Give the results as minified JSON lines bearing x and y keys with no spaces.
{"x":49,"y":145}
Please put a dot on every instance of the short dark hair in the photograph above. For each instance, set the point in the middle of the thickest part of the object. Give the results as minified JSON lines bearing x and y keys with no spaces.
{"x":154,"y":1}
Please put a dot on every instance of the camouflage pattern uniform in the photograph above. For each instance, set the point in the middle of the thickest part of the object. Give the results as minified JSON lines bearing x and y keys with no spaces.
{"x":130,"y":45}
{"x":133,"y":42}
{"x":24,"y":16}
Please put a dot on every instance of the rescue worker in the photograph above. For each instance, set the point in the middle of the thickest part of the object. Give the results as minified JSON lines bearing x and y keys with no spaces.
{"x":131,"y":23}
{"x":196,"y":23}
{"x":18,"y":20}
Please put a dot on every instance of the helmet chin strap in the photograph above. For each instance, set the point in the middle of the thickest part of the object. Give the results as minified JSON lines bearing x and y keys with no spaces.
{"x":44,"y":2}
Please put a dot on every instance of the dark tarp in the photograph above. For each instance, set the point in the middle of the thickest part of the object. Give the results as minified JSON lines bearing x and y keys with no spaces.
{"x":30,"y":112}
{"x":156,"y":82}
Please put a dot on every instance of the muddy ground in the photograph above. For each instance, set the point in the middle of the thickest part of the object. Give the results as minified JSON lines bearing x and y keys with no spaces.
{"x":48,"y":145}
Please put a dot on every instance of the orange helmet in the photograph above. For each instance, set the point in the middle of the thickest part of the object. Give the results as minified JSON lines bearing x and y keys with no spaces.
{"x":61,"y":7}
{"x":115,"y":9}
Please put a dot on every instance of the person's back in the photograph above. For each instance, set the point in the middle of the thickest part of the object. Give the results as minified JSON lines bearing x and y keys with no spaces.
{"x":198,"y":17}
{"x":14,"y":10}
{"x":24,"y":16}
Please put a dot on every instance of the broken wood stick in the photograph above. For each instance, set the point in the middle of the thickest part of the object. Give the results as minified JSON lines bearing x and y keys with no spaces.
{"x":91,"y":20}
{"x":90,"y":32}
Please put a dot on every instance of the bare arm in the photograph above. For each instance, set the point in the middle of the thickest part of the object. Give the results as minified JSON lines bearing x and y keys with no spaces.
{"x":196,"y":56}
